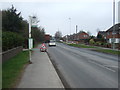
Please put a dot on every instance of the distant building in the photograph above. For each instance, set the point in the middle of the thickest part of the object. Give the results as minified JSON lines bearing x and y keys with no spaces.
{"x":47,"y":38}
{"x":83,"y":35}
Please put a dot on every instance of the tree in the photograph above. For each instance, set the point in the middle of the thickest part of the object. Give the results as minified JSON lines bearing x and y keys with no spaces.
{"x":38,"y":34}
{"x":97,"y":29}
{"x":11,"y":20}
{"x":92,"y":37}
{"x":58,"y":35}
{"x":99,"y":36}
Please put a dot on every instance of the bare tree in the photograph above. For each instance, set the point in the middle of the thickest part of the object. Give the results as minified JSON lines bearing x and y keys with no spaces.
{"x":58,"y":35}
{"x":97,"y":29}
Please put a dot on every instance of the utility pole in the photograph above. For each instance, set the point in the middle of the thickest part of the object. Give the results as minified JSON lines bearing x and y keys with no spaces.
{"x":113,"y":46}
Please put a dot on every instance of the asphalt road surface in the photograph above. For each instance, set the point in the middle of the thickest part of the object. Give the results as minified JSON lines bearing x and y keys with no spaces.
{"x":83,"y":68}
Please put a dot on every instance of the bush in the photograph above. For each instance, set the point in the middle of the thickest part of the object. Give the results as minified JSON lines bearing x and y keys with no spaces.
{"x":11,"y":40}
{"x":98,"y":43}
{"x":92,"y":41}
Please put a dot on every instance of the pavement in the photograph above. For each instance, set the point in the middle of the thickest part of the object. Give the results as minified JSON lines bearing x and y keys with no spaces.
{"x":41,"y":73}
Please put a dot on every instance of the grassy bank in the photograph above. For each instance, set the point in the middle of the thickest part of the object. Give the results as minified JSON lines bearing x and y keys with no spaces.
{"x":97,"y":49}
{"x":108,"y":51}
{"x":81,"y":46}
{"x":11,"y":69}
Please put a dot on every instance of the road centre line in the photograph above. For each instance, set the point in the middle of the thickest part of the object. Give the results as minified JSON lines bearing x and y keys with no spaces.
{"x":111,"y":66}
{"x":102,"y":66}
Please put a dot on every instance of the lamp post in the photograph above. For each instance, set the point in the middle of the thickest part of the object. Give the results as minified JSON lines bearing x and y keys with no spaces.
{"x":76,"y":31}
{"x":113,"y":46}
{"x":70,"y":28}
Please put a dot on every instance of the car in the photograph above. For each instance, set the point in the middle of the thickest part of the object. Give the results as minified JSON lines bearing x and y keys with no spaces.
{"x":52,"y":43}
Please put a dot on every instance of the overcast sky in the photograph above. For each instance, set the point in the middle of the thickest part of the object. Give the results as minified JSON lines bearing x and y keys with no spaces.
{"x":54,"y":14}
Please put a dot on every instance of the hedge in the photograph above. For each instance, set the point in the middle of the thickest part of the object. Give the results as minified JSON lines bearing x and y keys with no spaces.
{"x":11,"y":40}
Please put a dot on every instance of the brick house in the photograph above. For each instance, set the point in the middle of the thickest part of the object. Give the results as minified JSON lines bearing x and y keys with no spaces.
{"x":47,"y":38}
{"x":82,"y":36}
{"x":110,"y":34}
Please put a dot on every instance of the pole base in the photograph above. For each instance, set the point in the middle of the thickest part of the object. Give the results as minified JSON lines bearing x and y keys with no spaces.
{"x":30,"y":62}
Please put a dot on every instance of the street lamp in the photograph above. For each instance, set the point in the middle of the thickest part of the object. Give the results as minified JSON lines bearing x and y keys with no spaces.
{"x":70,"y":27}
{"x":76,"y":31}
{"x":113,"y":46}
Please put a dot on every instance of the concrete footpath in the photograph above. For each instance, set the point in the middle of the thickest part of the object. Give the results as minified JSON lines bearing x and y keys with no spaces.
{"x":41,"y":73}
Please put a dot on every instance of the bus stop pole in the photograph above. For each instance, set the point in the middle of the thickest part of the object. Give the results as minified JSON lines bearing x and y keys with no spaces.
{"x":29,"y":39}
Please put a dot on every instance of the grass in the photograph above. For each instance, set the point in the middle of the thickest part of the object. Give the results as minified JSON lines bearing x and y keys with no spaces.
{"x":97,"y":49}
{"x":108,"y":51}
{"x":11,"y":69}
{"x":81,"y":46}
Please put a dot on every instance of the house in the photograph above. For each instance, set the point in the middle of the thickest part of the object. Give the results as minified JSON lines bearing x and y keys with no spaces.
{"x":82,"y":35}
{"x":113,"y":34}
{"x":102,"y":33}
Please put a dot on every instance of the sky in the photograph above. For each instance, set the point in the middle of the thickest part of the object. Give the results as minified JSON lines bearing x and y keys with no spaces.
{"x":88,"y":15}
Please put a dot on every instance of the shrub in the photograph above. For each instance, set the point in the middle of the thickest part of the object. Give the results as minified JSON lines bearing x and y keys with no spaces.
{"x":92,"y":41}
{"x":98,"y":43}
{"x":11,"y":40}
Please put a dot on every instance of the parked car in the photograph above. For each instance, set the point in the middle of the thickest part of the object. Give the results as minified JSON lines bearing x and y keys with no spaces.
{"x":52,"y":43}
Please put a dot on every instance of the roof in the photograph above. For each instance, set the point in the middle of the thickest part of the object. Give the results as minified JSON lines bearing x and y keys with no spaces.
{"x":102,"y":32}
{"x":116,"y":26}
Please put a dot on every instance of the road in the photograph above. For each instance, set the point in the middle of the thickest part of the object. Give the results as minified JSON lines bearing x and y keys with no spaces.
{"x":83,"y":68}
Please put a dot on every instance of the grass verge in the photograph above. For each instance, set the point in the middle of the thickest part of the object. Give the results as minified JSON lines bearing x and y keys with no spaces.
{"x":108,"y":51}
{"x":12,"y":68}
{"x":81,"y":46}
{"x":97,"y":49}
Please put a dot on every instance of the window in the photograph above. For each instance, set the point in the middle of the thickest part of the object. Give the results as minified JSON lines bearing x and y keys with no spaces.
{"x":84,"y":35}
{"x":113,"y":33}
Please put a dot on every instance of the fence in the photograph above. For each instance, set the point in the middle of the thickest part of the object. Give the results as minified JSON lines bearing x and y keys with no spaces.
{"x":10,"y":53}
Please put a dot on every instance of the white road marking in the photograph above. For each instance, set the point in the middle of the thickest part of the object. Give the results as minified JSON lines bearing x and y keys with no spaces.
{"x":102,"y":66}
{"x":111,"y":66}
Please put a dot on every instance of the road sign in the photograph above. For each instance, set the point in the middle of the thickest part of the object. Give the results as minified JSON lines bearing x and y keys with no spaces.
{"x":30,"y":43}
{"x":34,"y":21}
